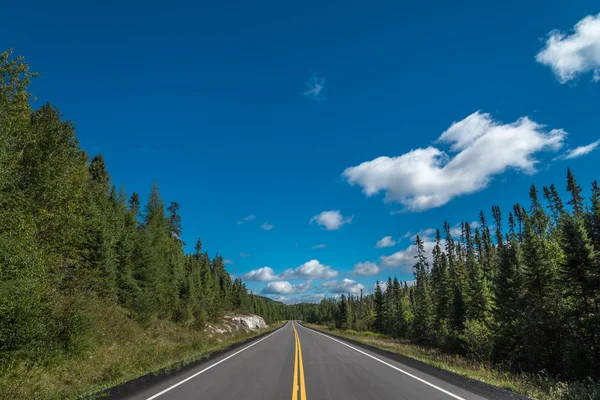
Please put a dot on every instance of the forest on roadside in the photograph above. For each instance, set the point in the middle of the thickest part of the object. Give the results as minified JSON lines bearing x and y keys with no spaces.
{"x":526,"y":298}
{"x":68,"y":237}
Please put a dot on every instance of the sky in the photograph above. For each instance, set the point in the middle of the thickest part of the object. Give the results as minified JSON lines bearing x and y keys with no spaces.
{"x":308,"y":142}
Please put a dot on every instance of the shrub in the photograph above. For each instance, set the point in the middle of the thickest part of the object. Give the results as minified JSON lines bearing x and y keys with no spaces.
{"x":477,"y":339}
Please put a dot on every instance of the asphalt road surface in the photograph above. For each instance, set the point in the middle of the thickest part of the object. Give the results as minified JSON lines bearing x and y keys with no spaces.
{"x":299,"y":363}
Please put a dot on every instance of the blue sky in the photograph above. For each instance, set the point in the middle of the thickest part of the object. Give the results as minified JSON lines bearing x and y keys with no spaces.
{"x":278,"y":114}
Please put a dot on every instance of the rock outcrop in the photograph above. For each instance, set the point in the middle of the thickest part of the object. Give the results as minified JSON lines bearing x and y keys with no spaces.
{"x":249,"y":322}
{"x":230,"y":324}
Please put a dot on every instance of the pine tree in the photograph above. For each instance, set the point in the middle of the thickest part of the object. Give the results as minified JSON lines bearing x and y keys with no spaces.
{"x":574,"y":189}
{"x":440,"y":282}
{"x":508,"y":296}
{"x":479,"y":299}
{"x":554,"y":203}
{"x":423,"y":323}
{"x":456,"y":276}
{"x":581,"y":278}
{"x":379,"y":310}
{"x":541,"y":261}
{"x":594,"y":220}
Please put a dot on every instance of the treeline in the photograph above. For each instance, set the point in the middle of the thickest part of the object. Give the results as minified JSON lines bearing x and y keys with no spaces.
{"x":68,"y":235}
{"x":526,"y":299}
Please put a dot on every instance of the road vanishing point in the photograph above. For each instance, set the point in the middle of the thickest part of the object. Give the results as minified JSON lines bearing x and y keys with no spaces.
{"x":300,"y":363}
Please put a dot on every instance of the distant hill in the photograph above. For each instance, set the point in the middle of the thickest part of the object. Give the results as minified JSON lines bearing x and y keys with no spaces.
{"x":268,"y":299}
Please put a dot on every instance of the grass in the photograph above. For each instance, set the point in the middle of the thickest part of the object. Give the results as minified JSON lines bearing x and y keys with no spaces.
{"x":533,"y":386}
{"x":116,"y":349}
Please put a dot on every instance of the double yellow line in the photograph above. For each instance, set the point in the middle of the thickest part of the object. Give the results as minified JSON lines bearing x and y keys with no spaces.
{"x":298,"y":367}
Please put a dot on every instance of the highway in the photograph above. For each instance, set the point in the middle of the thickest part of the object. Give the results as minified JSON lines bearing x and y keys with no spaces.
{"x":299,"y":363}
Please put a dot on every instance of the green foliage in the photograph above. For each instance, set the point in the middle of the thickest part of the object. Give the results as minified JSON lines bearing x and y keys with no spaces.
{"x":68,"y":238}
{"x":477,"y":339}
{"x":526,"y":300}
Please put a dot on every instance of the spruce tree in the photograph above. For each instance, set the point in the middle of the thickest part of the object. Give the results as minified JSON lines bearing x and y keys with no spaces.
{"x":423,"y":323}
{"x":574,"y":189}
{"x":379,"y":310}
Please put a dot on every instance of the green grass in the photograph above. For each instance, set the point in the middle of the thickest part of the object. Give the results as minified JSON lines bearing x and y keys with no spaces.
{"x":534,"y":386}
{"x":116,"y":349}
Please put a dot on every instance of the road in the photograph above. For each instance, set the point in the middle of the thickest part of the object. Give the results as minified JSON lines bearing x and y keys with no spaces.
{"x":299,"y":363}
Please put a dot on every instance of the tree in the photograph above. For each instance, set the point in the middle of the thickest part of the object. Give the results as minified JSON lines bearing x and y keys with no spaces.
{"x":423,"y":323}
{"x":580,"y":277}
{"x":379,"y":311}
{"x":574,"y":189}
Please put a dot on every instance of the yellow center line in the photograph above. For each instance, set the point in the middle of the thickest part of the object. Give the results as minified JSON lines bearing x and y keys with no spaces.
{"x":295,"y":386}
{"x":298,"y":362}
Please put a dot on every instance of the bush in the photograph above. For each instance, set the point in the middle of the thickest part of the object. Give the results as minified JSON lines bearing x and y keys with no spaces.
{"x":443,"y":336}
{"x":477,"y":339}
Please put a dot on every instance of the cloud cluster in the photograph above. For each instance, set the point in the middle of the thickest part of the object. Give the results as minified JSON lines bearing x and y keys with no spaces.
{"x":319,"y":246}
{"x":574,"y":54}
{"x":305,"y":298}
{"x":312,"y":269}
{"x":344,"y":286}
{"x":284,"y":287}
{"x":385,"y":242}
{"x":314,"y":88}
{"x":266,"y":226}
{"x":365,"y":269}
{"x":426,"y":178}
{"x":261,"y":275}
{"x":331,"y":220}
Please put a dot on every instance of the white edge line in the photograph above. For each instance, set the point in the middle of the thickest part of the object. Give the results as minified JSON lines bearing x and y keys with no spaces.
{"x":214,"y":365}
{"x":389,"y":365}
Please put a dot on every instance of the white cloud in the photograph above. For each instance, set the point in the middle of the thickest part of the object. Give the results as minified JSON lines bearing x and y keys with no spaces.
{"x":295,"y":299}
{"x":246,"y":219}
{"x":312,"y":269}
{"x":426,"y":178}
{"x":580,"y":151}
{"x":345,"y":286}
{"x":570,"y":55}
{"x":331,"y":220}
{"x":314,"y":88}
{"x":266,"y":226}
{"x":244,"y":255}
{"x":227,"y":262}
{"x":284,"y":287}
{"x":406,"y":258}
{"x":366,"y":269}
{"x":382,"y":286}
{"x":319,"y":246}
{"x":385,"y":242}
{"x":261,"y":275}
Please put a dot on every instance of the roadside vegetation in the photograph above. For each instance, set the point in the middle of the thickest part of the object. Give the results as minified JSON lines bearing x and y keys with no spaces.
{"x":95,"y":287}
{"x":115,"y":349}
{"x":534,"y":386}
{"x":520,"y":294}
